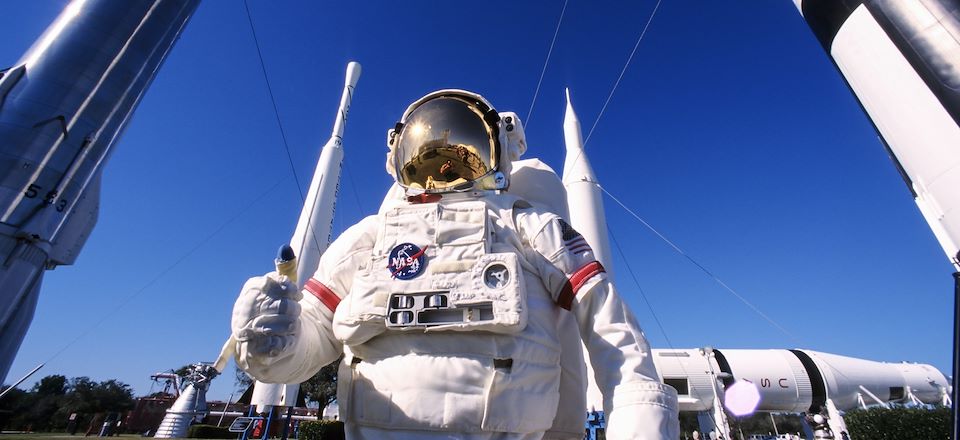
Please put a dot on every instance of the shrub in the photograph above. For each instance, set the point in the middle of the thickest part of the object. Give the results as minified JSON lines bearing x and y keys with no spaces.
{"x":899,"y":423}
{"x":321,"y":430}
{"x":209,"y":431}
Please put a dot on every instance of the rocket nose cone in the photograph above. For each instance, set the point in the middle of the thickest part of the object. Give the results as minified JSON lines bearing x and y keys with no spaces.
{"x":570,"y":115}
{"x":353,"y":74}
{"x":572,"y":137}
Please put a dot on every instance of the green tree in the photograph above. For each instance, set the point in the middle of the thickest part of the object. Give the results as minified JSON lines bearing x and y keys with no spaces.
{"x":322,"y":387}
{"x":81,"y":396}
{"x":899,"y":423}
{"x":44,"y":401}
{"x":114,"y":396}
{"x":87,"y":398}
{"x":13,"y":406}
{"x":53,"y":385}
{"x":49,"y":403}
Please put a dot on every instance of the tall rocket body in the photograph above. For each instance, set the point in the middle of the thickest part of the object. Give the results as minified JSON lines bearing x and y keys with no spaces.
{"x":312,"y":235}
{"x":902,"y":61}
{"x":314,"y":227}
{"x":585,"y":204}
{"x":584,"y":197}
{"x":63,"y":106}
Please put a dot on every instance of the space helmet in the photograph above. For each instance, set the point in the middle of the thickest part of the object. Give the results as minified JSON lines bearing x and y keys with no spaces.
{"x":453,"y":141}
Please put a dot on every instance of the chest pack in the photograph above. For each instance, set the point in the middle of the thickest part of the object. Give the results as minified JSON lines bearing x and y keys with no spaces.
{"x":432,"y":265}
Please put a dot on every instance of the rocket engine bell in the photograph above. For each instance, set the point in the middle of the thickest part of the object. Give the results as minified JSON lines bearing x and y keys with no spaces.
{"x":63,"y":106}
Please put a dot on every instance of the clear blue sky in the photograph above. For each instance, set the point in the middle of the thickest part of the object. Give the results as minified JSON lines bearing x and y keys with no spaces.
{"x":731,"y":132}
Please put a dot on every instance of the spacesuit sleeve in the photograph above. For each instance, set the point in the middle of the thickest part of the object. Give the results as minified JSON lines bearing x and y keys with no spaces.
{"x":637,"y":404}
{"x":316,"y":345}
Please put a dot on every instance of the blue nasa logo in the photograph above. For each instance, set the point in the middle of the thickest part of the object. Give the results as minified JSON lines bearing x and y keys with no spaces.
{"x":407,"y":261}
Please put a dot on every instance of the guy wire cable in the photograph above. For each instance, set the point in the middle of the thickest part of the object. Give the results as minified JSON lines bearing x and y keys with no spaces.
{"x":617,"y":83}
{"x":276,"y":112}
{"x":353,"y":186}
{"x":526,"y":121}
{"x":243,"y":210}
{"x":622,"y":72}
{"x":646,"y":300}
{"x":710,"y":274}
{"x":643,"y":33}
{"x":643,"y":294}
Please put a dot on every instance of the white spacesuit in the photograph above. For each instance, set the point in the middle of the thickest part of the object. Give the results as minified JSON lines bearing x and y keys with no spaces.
{"x":448,"y":304}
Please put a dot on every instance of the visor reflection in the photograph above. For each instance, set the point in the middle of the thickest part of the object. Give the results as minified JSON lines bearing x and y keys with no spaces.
{"x":445,"y":144}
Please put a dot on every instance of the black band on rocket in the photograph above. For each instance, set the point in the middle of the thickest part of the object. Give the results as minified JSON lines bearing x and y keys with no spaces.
{"x":825,"y":17}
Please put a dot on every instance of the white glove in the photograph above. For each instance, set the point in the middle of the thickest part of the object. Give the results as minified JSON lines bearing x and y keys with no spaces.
{"x":266,"y":321}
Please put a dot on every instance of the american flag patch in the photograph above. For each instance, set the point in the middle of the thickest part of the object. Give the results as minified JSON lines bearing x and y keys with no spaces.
{"x":572,"y":240}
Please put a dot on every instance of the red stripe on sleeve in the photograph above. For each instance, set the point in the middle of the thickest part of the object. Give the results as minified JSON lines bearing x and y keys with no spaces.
{"x":576,"y":281}
{"x":323,"y":293}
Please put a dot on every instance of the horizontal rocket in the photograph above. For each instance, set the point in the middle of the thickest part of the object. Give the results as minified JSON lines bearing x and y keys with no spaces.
{"x":63,"y":106}
{"x":793,"y":381}
{"x":797,"y":380}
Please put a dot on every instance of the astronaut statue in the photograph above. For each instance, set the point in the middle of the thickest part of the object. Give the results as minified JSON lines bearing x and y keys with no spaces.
{"x":447,"y":304}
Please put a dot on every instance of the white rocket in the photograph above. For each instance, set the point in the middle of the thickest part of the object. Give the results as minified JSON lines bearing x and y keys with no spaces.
{"x":585,"y":203}
{"x":796,"y":381}
{"x":63,"y":106}
{"x":785,"y":380}
{"x":584,"y":196}
{"x":902,"y":60}
{"x":312,"y":234}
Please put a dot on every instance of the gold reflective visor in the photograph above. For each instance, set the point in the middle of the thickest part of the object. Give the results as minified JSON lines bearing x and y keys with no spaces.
{"x":444,"y":144}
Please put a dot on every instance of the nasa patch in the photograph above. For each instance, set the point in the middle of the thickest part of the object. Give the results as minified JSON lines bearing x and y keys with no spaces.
{"x":406,"y":261}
